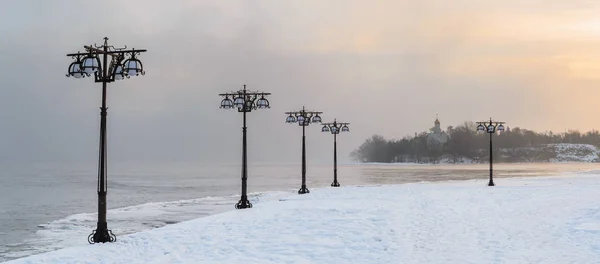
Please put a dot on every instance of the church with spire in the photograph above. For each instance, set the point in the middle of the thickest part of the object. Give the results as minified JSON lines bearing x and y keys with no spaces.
{"x":436,"y":135}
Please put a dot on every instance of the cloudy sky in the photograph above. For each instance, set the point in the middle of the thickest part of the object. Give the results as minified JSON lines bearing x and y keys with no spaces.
{"x":388,"y":67}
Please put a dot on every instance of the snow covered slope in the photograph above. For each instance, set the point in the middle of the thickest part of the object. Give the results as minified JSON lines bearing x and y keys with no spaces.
{"x":529,"y":220}
{"x":575,"y":153}
{"x":554,"y":153}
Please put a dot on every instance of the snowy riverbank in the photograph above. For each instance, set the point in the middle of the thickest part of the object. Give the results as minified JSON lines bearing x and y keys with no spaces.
{"x":527,"y":220}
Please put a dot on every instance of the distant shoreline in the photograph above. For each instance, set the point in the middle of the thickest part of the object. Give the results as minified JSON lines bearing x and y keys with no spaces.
{"x":471,"y":163}
{"x":546,"y":153}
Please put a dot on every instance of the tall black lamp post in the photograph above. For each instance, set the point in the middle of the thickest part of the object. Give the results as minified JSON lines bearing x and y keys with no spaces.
{"x":335,"y":128}
{"x":245,"y":101}
{"x":123,"y":64}
{"x":490,"y":127}
{"x":303,"y":118}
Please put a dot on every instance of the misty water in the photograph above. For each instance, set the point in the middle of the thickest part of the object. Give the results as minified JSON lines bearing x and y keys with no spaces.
{"x":48,"y":206}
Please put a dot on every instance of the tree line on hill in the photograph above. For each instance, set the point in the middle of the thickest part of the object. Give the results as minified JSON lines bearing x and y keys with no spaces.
{"x":465,"y":144}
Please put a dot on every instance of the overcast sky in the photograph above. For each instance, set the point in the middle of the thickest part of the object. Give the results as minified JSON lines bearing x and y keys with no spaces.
{"x":387,"y":67}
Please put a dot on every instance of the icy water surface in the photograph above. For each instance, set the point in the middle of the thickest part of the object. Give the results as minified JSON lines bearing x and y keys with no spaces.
{"x":50,"y":206}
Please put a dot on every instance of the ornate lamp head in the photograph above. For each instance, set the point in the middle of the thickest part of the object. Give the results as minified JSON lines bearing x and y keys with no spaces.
{"x":133,"y":66}
{"x":290,"y":119}
{"x":262,"y":103}
{"x":75,"y":69}
{"x":90,"y":64}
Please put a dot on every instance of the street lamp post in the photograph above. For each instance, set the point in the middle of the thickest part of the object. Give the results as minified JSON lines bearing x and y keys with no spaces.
{"x":335,"y":128}
{"x":123,"y":64}
{"x":245,"y":101}
{"x":303,"y":118}
{"x":490,"y":127}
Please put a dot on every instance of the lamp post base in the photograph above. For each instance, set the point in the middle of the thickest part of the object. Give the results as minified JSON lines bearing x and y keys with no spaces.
{"x":303,"y":190}
{"x":335,"y":184}
{"x":101,"y":235}
{"x":243,"y":204}
{"x":491,"y":183}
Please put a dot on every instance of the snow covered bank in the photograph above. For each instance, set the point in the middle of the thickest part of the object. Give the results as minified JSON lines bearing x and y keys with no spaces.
{"x":575,"y":153}
{"x":71,"y":230}
{"x":529,"y":220}
{"x":545,"y":153}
